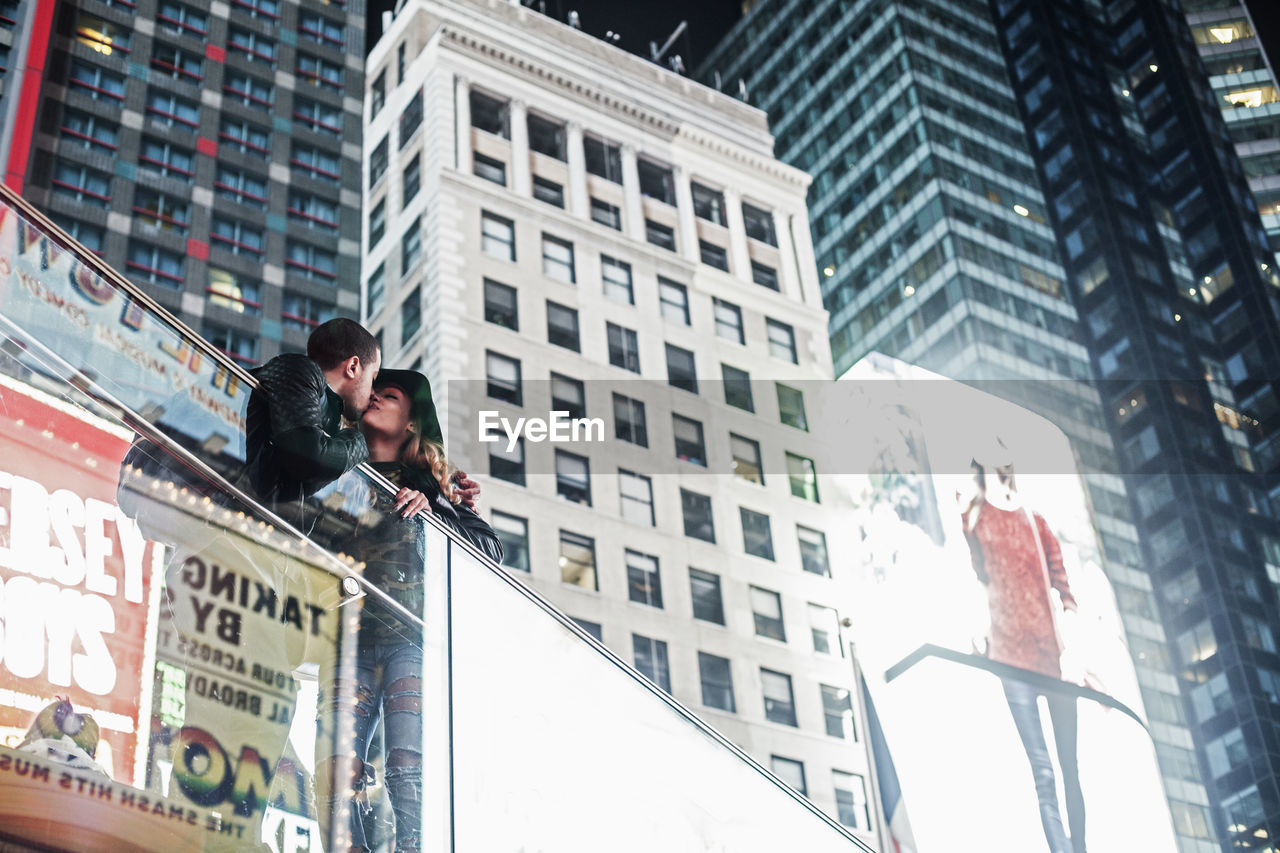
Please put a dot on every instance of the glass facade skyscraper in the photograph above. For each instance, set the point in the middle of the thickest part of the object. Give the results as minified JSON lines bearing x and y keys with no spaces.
{"x":1019,"y":190}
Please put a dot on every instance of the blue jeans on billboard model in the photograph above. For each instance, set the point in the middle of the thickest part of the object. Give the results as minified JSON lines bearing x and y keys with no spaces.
{"x":388,"y":682}
{"x":1062,"y":713}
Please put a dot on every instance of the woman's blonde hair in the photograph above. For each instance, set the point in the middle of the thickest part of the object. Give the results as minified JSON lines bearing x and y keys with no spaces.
{"x":424,"y":454}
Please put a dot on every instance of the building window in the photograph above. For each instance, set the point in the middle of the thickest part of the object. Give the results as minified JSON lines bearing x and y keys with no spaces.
{"x":729,"y":321}
{"x":507,"y":464}
{"x":304,"y":313}
{"x":737,"y":388}
{"x":824,"y":624}
{"x":651,"y":660}
{"x":318,"y":72}
{"x":779,"y":701}
{"x":241,"y":346}
{"x":242,"y":186}
{"x":97,"y":83}
{"x":411,"y":317}
{"x":546,"y":136}
{"x":490,"y":115}
{"x":628,"y":420}
{"x":167,"y":160}
{"x":378,"y":94}
{"x":513,"y":533}
{"x":319,"y":117}
{"x":568,"y":395}
{"x":411,"y":118}
{"x":606,"y":214}
{"x":500,"y":305}
{"x":791,"y":407}
{"x":313,"y":211}
{"x":237,"y":237}
{"x":708,"y":604}
{"x":766,"y":609}
{"x":182,"y":20}
{"x":690,"y":445}
{"x":243,"y":136}
{"x":681,"y":372}
{"x":746,"y":459}
{"x":764,"y":275}
{"x":573,"y":477}
{"x":411,"y":248}
{"x":266,"y":9}
{"x":102,"y":36}
{"x":377,"y":222}
{"x":803,"y":477}
{"x":713,"y":255}
{"x":851,"y":800}
{"x":170,"y":110}
{"x":170,"y":61}
{"x":503,"y":378}
{"x":490,"y":169}
{"x":161,"y":211}
{"x":643,"y":582}
{"x":497,"y":237}
{"x":90,"y":131}
{"x":310,"y":262}
{"x":228,"y":290}
{"x":595,"y":629}
{"x":637,"y":498}
{"x":837,"y":710}
{"x":656,"y":181}
{"x":548,"y":192}
{"x":674,"y":301}
{"x":696,"y":510}
{"x":616,"y":276}
{"x":562,"y":326}
{"x":782,"y":341}
{"x":379,"y":160}
{"x":759,"y":224}
{"x":400,"y":51}
{"x":315,"y":163}
{"x":603,"y":158}
{"x":92,"y":237}
{"x":716,"y":676}
{"x":624,"y":348}
{"x":557,"y":259}
{"x":662,"y":236}
{"x":319,"y":28}
{"x":813,"y":551}
{"x":257,"y":47}
{"x":757,"y":539}
{"x":790,"y":771}
{"x":578,"y":560}
{"x":411,"y":180}
{"x":156,"y":265}
{"x":708,"y":204}
{"x":376,"y":289}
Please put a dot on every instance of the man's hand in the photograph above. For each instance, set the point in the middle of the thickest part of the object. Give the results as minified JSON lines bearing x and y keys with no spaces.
{"x":468,"y":490}
{"x":411,"y":501}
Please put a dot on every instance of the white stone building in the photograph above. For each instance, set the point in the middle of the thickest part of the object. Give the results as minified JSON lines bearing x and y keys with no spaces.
{"x":554,"y":224}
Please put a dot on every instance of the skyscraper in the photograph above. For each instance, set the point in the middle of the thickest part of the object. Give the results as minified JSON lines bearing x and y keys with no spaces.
{"x":944,"y":240}
{"x":557,"y":226}
{"x":212,"y":153}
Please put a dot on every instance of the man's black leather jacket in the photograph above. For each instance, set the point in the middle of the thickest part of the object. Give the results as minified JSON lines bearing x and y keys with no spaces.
{"x":294,"y":443}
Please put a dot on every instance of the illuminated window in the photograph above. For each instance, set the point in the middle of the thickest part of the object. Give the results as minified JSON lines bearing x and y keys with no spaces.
{"x":160,"y":210}
{"x":229,"y":290}
{"x":101,"y":36}
{"x":577,"y":560}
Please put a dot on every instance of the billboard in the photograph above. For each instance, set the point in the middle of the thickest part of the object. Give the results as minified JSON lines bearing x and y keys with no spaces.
{"x":987,"y":629}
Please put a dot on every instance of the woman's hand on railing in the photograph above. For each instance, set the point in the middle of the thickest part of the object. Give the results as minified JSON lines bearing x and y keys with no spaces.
{"x":411,"y":501}
{"x":468,"y":490}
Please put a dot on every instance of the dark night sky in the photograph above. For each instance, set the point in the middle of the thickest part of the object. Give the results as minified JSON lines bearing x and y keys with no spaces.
{"x":639,"y":23}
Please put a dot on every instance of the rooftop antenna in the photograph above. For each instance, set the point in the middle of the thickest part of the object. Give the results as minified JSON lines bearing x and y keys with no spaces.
{"x":719,"y":85}
{"x":613,"y":37}
{"x":676,"y":64}
{"x":655,"y":52}
{"x":742,"y":89}
{"x":575,"y":21}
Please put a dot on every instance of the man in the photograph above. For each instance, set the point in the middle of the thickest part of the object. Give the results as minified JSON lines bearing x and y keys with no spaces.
{"x":294,"y":440}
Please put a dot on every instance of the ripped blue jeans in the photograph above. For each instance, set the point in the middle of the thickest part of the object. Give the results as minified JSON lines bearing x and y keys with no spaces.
{"x":388,"y":678}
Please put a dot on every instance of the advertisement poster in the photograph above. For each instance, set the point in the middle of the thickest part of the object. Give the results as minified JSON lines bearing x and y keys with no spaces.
{"x":76,"y":577}
{"x":987,"y":629}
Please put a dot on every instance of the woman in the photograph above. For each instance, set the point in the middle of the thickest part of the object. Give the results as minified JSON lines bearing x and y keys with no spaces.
{"x":405,"y":445}
{"x":1018,"y":559}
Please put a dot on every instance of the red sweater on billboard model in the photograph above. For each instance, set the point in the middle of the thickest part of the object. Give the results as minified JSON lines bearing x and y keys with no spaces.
{"x":1018,"y":564}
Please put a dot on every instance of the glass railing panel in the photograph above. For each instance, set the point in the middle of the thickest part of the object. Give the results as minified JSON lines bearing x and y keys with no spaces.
{"x":558,"y":745}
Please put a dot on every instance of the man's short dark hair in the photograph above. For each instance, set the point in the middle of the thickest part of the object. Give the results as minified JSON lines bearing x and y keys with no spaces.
{"x":337,"y":340}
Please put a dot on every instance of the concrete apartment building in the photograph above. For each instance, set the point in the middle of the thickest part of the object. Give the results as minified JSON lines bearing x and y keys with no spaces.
{"x":556,"y":225}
